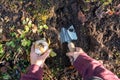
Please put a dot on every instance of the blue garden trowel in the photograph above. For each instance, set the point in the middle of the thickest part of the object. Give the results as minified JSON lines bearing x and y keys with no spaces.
{"x":68,"y":35}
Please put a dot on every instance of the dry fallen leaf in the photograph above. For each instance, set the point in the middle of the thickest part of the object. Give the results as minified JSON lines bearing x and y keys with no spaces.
{"x":109,"y":12}
{"x":71,"y":67}
{"x":19,"y":31}
{"x":1,"y":30}
{"x":81,"y":17}
{"x":34,"y":28}
{"x":4,"y":38}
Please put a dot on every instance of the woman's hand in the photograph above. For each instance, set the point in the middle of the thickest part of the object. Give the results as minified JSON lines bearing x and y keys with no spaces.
{"x":37,"y":59}
{"x":73,"y":55}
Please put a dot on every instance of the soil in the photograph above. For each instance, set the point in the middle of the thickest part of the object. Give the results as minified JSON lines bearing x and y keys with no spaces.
{"x":98,"y":35}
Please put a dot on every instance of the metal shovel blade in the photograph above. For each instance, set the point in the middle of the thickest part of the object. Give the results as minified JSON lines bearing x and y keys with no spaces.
{"x":67,"y":35}
{"x":71,"y":32}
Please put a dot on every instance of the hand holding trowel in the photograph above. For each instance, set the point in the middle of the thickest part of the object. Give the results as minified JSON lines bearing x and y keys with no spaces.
{"x":67,"y":35}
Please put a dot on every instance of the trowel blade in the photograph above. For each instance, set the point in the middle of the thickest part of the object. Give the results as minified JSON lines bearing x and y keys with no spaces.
{"x":64,"y":37}
{"x":71,"y":32}
{"x":68,"y":35}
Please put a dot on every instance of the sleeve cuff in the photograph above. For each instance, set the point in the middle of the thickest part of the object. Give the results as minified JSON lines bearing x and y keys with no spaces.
{"x":82,"y":62}
{"x":36,"y":71}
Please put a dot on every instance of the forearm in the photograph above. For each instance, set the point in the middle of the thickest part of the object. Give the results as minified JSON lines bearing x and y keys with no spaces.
{"x":34,"y":73}
{"x":89,"y":67}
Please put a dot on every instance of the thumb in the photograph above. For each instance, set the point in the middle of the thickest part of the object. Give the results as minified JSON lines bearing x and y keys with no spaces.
{"x":78,"y":49}
{"x":70,"y":54}
{"x":46,"y":54}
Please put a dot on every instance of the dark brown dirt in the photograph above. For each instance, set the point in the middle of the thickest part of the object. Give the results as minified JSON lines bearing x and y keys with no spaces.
{"x":100,"y":38}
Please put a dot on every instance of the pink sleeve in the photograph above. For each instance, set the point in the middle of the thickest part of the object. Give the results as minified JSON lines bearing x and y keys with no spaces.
{"x":34,"y":73}
{"x":89,"y":67}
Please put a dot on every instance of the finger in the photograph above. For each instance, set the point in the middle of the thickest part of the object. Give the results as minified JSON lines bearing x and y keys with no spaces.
{"x":78,"y":49}
{"x":46,"y":54}
{"x":70,"y":54}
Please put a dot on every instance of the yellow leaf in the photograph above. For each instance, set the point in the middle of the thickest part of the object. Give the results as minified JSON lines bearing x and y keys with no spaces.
{"x":44,"y":18}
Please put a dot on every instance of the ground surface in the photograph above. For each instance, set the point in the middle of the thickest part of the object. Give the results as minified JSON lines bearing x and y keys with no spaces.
{"x":96,"y":24}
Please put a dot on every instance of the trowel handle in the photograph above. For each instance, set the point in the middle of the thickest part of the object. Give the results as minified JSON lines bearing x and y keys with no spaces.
{"x":71,"y":46}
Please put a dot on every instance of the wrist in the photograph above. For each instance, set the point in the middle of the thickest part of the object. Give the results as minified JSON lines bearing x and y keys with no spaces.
{"x":39,"y":63}
{"x":76,"y":55}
